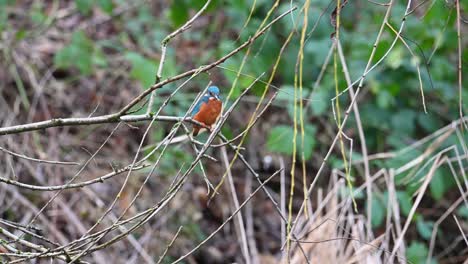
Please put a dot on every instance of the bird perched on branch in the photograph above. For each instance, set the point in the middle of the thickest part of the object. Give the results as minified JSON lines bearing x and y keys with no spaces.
{"x":208,"y":109}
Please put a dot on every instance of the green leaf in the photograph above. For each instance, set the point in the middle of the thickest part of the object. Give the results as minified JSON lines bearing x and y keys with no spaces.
{"x":280,"y":139}
{"x":37,"y":14}
{"x":395,"y":58}
{"x":212,"y":6}
{"x":403,"y":121}
{"x":143,"y":70}
{"x":424,"y":228}
{"x":417,"y":252}
{"x":21,"y":34}
{"x":196,"y":4}
{"x":374,"y":116}
{"x":286,"y":94}
{"x":176,"y":159}
{"x":178,"y":13}
{"x":170,"y":65}
{"x":227,"y":131}
{"x":79,"y":53}
{"x":106,"y":5}
{"x":405,"y":202}
{"x":320,"y":102}
{"x":240,"y":5}
{"x":4,"y":13}
{"x":437,"y":186}
{"x":309,"y":141}
{"x":99,"y":58}
{"x":463,"y":211}
{"x":84,"y":6}
{"x":385,"y":99}
{"x":378,"y":212}
{"x":429,"y":122}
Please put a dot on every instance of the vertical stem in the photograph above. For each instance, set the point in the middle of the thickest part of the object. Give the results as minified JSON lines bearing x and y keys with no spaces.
{"x":460,"y":91}
{"x":164,"y":44}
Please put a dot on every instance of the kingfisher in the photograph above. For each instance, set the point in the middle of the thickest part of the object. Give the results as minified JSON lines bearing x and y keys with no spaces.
{"x":207,"y":109}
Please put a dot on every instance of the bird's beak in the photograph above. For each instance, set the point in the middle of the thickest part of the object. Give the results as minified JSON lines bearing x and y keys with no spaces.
{"x":214,"y":95}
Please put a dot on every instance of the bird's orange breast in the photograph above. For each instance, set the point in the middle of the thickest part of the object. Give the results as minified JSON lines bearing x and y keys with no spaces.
{"x":209,"y":112}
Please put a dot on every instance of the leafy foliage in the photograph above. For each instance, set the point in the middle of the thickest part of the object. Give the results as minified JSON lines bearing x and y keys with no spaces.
{"x":86,"y":6}
{"x":280,"y":139}
{"x":417,"y":252}
{"x":143,"y":69}
{"x":80,"y":53}
{"x":378,"y":211}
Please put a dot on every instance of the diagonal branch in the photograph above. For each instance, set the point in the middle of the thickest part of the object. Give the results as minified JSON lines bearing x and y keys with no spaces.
{"x":120,"y":115}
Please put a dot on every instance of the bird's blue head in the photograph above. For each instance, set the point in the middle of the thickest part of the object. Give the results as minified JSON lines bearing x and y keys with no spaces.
{"x":213,"y":91}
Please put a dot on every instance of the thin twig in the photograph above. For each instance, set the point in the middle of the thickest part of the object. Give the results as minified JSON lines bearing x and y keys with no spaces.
{"x":22,"y":156}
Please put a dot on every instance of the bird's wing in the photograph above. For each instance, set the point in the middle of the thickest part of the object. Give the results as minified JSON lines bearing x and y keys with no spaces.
{"x":197,"y":107}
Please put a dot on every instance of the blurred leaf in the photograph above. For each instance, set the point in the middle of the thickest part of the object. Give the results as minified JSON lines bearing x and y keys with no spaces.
{"x":429,"y":122}
{"x":193,"y":231}
{"x":37,"y":15}
{"x":286,"y":96}
{"x":4,"y":14}
{"x":170,"y":66}
{"x":143,"y":70}
{"x":196,"y":4}
{"x":417,"y":252}
{"x":84,"y":6}
{"x":375,"y":115}
{"x":178,"y":13}
{"x":320,"y":102}
{"x":106,"y":5}
{"x":238,"y":4}
{"x":227,"y":131}
{"x":463,"y":211}
{"x":437,"y":185}
{"x":79,"y":53}
{"x":385,"y":99}
{"x":405,"y":202}
{"x":424,"y":228}
{"x":339,"y":163}
{"x":395,"y":58}
{"x":397,"y":140}
{"x":157,"y":135}
{"x":99,"y":58}
{"x":403,"y":121}
{"x":309,"y":141}
{"x":378,"y":212}
{"x":280,"y":139}
{"x":174,"y":159}
{"x":381,"y":49}
{"x":21,"y":34}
